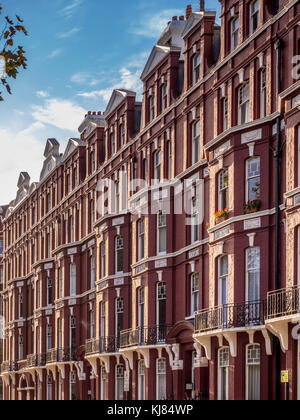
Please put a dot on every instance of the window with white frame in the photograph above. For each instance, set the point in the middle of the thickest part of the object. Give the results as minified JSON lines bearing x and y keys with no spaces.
{"x":161,"y":310}
{"x":223,"y":190}
{"x":235,"y":27}
{"x":141,"y":380}
{"x":103,"y":259}
{"x":119,"y":382}
{"x":117,"y":197}
{"x":122,"y":135}
{"x":92,"y":324}
{"x":253,"y":179}
{"x":161,"y":379}
{"x":141,"y":239}
{"x":21,"y":347}
{"x":49,"y":337}
{"x":119,"y":316}
{"x":244,"y":104}
{"x":103,"y":383}
{"x":112,"y":142}
{"x":60,"y":283}
{"x":196,"y":142}
{"x":253,"y":372}
{"x":225,"y":114}
{"x":223,"y":270}
{"x":161,"y":233}
{"x":263,"y":93}
{"x":72,"y":327}
{"x":253,"y":274}
{"x":151,"y":108}
{"x":195,"y":289}
{"x":254,"y":12}
{"x":49,"y":388}
{"x":157,"y":166}
{"x":196,"y":68}
{"x":73,"y":279}
{"x":164,"y":96}
{"x":93,"y":271}
{"x":73,"y":385}
{"x":49,"y":291}
{"x":119,"y":254}
{"x":223,"y":374}
{"x":194,"y":221}
{"x":20,"y":299}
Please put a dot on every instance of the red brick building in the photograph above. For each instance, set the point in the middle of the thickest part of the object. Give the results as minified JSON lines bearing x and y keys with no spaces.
{"x":136,"y":302}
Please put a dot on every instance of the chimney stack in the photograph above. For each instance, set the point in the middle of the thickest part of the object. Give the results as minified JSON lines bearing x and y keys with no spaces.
{"x":174,"y":18}
{"x":181,"y":17}
{"x":202,"y":5}
{"x":189,"y":11}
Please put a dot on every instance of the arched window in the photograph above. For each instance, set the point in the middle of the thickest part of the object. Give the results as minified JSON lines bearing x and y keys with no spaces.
{"x":119,"y":254}
{"x":119,"y":382}
{"x":253,"y":372}
{"x":223,"y":374}
{"x":161,"y":379}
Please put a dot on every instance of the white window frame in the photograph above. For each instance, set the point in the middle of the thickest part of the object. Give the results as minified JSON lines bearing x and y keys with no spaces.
{"x":169,"y":151}
{"x":119,"y":382}
{"x":196,"y":67}
{"x":72,"y":327}
{"x":157,"y":166}
{"x":161,"y":295}
{"x":49,"y":388}
{"x":92,"y":324}
{"x":122,"y":135}
{"x":195,"y":231}
{"x":112,"y":142}
{"x":254,"y":14}
{"x":119,"y":309}
{"x":141,"y":380}
{"x":20,"y":347}
{"x":141,"y":239}
{"x":244,"y":104}
{"x":195,"y":292}
{"x":248,"y":178}
{"x":49,"y":337}
{"x":161,"y":375}
{"x":73,"y":279}
{"x":221,"y":277}
{"x":103,"y":384}
{"x":252,"y":363}
{"x":235,"y":36}
{"x":196,"y":142}
{"x":60,"y":283}
{"x":151,"y":107}
{"x":117,"y":197}
{"x":263,"y":92}
{"x":223,"y":189}
{"x":255,"y":252}
{"x":161,"y":230}
{"x":141,"y":307}
{"x":72,"y":382}
{"x":223,"y":363}
{"x":119,"y":247}
{"x":164,"y":97}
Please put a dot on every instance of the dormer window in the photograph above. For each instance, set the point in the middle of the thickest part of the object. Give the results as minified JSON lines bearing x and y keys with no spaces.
{"x":235,"y":33}
{"x":254,"y":11}
{"x":151,"y":108}
{"x":164,"y":97}
{"x":196,"y":68}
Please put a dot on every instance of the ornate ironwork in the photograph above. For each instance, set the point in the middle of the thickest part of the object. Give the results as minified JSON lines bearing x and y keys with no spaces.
{"x":61,"y":355}
{"x":102,"y":345}
{"x":36,"y":360}
{"x":284,"y":302}
{"x":147,"y":336}
{"x":9,"y":367}
{"x":235,"y":315}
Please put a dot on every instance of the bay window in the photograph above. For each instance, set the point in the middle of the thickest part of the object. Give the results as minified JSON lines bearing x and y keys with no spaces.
{"x":253,"y":179}
{"x":223,"y":190}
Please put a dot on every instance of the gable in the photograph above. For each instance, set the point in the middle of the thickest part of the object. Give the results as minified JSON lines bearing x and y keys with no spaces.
{"x":158,"y":53}
{"x":117,"y":97}
{"x":72,"y":145}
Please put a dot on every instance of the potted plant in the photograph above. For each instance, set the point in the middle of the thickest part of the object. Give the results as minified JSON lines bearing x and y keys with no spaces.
{"x":221,"y":216}
{"x":252,"y":206}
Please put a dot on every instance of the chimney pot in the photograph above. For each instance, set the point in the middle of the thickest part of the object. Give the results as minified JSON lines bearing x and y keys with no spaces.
{"x":181,"y":17}
{"x":94,"y":113}
{"x":174,"y":18}
{"x":99,"y":113}
{"x":189,"y":11}
{"x":202,"y":5}
{"x":89,"y":113}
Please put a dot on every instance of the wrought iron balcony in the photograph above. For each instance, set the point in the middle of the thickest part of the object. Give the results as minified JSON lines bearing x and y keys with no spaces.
{"x":284,"y":302}
{"x":147,"y":336}
{"x":61,"y":355}
{"x":9,"y":367}
{"x":36,"y":360}
{"x":102,"y":345}
{"x":237,"y":315}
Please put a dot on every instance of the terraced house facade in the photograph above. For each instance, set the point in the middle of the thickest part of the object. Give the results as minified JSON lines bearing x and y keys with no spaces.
{"x":143,"y":301}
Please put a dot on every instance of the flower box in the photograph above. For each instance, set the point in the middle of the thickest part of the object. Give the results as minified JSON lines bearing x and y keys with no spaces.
{"x":221,"y":216}
{"x":252,"y":206}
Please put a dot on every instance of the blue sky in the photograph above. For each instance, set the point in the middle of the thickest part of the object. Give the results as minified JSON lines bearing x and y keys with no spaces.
{"x":78,"y":51}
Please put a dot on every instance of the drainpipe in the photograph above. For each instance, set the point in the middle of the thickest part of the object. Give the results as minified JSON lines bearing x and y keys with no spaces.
{"x":278,"y":154}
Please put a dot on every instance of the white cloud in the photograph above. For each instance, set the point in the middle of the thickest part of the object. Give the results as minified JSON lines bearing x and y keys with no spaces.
{"x":60,"y":113}
{"x":151,"y":26}
{"x":55,"y":53}
{"x":21,"y":150}
{"x":42,"y":94}
{"x":68,"y":34}
{"x":69,"y":10}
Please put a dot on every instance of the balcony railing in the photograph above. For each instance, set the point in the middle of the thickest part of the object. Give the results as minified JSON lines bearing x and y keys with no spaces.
{"x":61,"y":355}
{"x":284,"y":302}
{"x":36,"y":360}
{"x":147,"y":336}
{"x":9,"y":367}
{"x":102,"y":345}
{"x":231,"y":316}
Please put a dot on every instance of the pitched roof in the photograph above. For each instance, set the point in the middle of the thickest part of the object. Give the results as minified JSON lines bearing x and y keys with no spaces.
{"x":116,"y":98}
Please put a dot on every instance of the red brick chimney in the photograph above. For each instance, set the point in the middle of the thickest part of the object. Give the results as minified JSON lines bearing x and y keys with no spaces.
{"x":189,"y":11}
{"x":181,"y":17}
{"x":174,"y":18}
{"x":202,"y":5}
